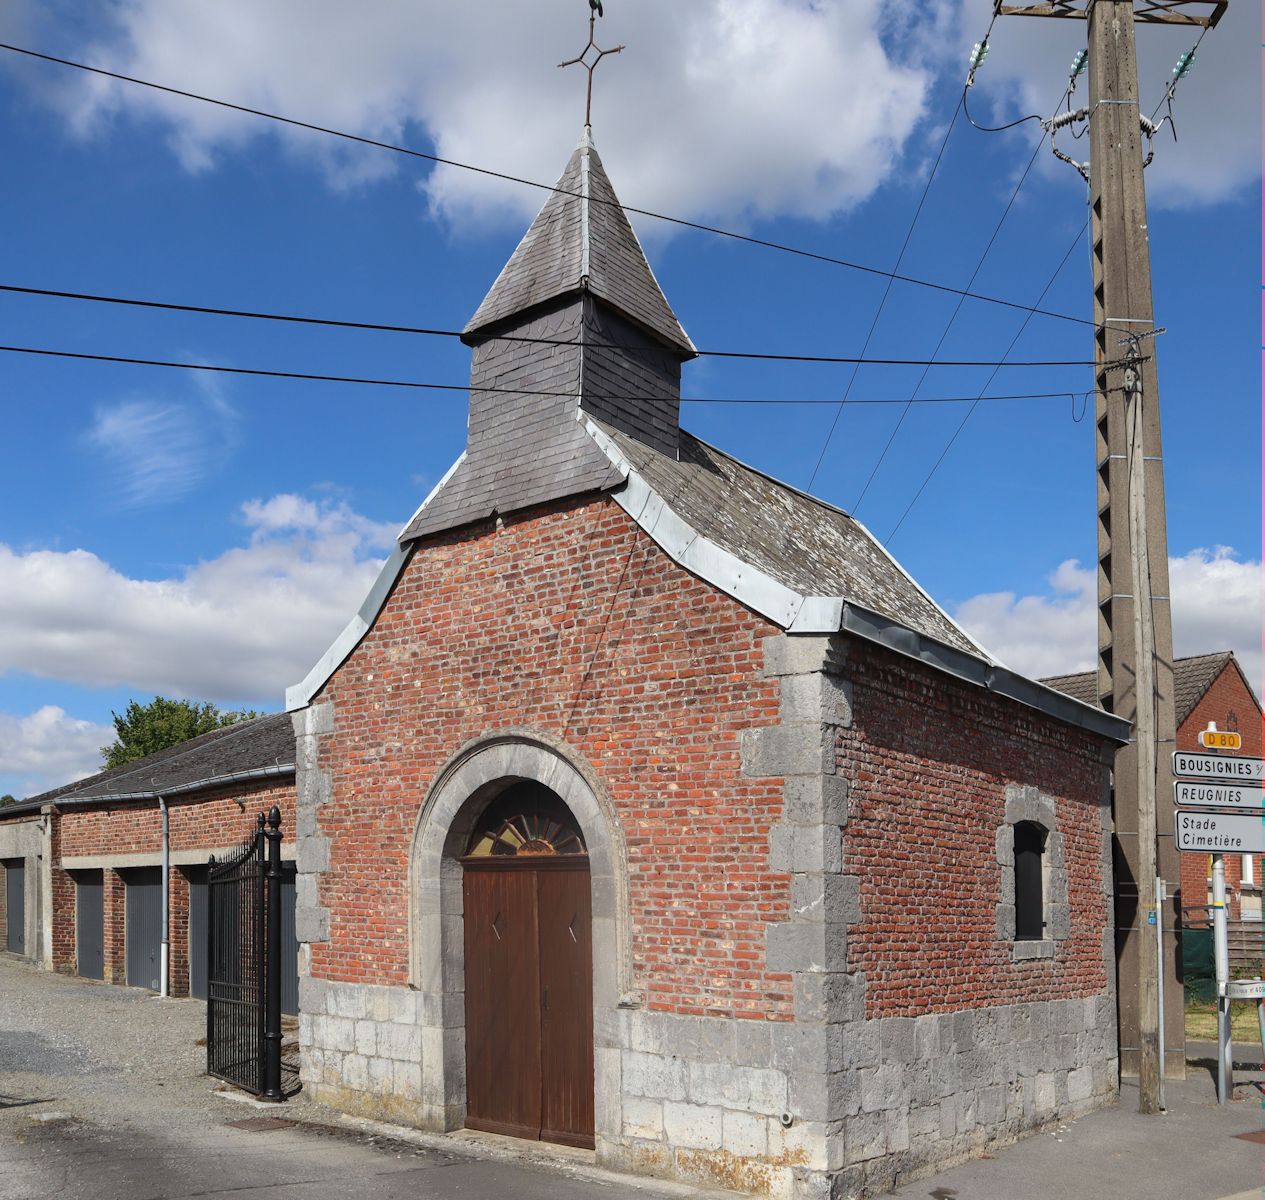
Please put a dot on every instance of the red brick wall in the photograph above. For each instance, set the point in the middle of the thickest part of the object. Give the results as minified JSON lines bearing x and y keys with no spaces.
{"x":114,"y":898}
{"x":1231,"y":705}
{"x":930,"y":760}
{"x":569,"y":621}
{"x":178,"y":933}
{"x":204,"y":822}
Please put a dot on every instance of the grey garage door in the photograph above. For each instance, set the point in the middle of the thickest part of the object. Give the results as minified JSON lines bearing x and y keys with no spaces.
{"x":89,"y":925}
{"x":289,"y":945}
{"x":197,"y":931}
{"x":15,"y":905}
{"x":144,"y":926}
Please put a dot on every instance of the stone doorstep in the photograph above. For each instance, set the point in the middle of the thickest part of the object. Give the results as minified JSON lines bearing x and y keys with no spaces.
{"x":565,"y":1160}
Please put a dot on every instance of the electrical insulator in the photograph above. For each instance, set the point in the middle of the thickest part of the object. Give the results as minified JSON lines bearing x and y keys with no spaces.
{"x":1079,"y":63}
{"x":1185,"y":62}
{"x":979,"y":52}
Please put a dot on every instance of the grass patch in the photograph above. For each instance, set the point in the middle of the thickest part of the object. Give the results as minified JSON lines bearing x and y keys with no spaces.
{"x":1201,"y":1021}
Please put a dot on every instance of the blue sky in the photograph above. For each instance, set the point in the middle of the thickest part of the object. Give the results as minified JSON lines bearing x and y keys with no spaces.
{"x":206,"y":536}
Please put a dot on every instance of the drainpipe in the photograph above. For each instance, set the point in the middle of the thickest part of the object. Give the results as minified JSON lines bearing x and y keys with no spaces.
{"x":164,"y":958}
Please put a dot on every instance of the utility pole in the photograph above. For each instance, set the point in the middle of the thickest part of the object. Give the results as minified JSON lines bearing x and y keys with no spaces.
{"x":1135,"y":631}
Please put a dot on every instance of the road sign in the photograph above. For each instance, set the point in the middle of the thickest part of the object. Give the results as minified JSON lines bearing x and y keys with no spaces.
{"x":1246,"y":989}
{"x":1219,"y":833}
{"x":1216,"y":739}
{"x":1218,"y":766}
{"x":1190,"y":793}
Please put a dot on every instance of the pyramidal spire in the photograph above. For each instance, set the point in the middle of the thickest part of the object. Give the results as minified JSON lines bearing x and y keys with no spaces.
{"x":575,"y":333}
{"x":581,"y":242}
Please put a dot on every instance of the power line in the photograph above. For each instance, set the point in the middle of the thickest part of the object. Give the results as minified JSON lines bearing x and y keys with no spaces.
{"x":979,"y":266}
{"x":962,"y":425}
{"x":887,"y":291}
{"x":335,"y":323}
{"x":463,"y":387}
{"x":716,"y":231}
{"x":966,"y":106}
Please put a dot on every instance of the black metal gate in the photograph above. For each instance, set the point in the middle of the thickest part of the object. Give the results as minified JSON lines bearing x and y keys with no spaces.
{"x":243,"y":1007}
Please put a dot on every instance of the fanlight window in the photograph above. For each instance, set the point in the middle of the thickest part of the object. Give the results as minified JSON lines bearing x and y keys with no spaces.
{"x":527,"y":820}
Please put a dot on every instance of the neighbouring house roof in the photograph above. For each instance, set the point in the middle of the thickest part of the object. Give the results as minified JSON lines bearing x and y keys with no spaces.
{"x":256,"y":749}
{"x":1192,"y":677}
{"x":581,"y":240}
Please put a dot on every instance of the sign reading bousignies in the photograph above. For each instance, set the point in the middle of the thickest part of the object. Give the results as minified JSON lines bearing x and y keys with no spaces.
{"x":1219,"y":766}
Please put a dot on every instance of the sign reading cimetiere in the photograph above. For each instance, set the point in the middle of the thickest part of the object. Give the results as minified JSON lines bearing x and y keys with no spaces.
{"x":1219,"y":766}
{"x":1219,"y":833}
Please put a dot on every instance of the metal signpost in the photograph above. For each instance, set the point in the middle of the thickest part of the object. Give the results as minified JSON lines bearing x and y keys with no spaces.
{"x":1236,"y":783}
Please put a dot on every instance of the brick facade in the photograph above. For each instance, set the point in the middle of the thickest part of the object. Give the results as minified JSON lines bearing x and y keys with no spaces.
{"x":570,"y":622}
{"x":930,"y":761}
{"x":1230,"y":703}
{"x":116,"y":836}
{"x":820,"y":995}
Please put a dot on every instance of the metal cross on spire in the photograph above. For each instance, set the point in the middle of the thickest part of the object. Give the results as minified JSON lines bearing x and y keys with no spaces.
{"x":588,"y":62}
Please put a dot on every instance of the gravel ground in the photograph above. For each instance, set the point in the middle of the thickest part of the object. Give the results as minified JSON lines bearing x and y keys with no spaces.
{"x":104,"y":1096}
{"x":73,"y":1042}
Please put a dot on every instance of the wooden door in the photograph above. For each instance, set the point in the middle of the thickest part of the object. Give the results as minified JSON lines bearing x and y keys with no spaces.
{"x":566,"y":1017}
{"x":529,"y":999}
{"x":502,"y":1002}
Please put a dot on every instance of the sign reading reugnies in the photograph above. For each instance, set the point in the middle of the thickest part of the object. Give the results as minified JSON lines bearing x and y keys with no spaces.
{"x":1191,"y":793}
{"x":1219,"y":833}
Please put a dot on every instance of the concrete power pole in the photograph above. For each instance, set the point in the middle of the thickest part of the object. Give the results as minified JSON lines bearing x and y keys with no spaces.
{"x":1135,"y":632}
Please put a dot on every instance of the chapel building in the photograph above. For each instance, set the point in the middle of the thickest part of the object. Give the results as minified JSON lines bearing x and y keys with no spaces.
{"x":649,"y":805}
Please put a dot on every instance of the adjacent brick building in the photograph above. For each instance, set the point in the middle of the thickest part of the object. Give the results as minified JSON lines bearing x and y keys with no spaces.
{"x":648,"y":804}
{"x":1209,"y":689}
{"x":89,"y":855}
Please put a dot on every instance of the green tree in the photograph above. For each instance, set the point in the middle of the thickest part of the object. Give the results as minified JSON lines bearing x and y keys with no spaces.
{"x":7,"y":799}
{"x":147,"y":728}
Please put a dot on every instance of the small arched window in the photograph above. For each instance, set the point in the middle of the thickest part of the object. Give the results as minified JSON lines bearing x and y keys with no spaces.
{"x":526,"y":820}
{"x":1029,"y":882}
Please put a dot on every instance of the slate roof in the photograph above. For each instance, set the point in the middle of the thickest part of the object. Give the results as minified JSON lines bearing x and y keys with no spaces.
{"x":581,"y":240}
{"x":266,"y":743}
{"x":1192,"y":677}
{"x":801,"y":542}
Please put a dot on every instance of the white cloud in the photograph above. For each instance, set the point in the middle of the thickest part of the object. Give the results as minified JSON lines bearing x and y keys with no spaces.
{"x":48,"y":747}
{"x":728,"y":107}
{"x":161,"y":450}
{"x":1216,"y":606}
{"x":1217,"y":108}
{"x":235,"y":629}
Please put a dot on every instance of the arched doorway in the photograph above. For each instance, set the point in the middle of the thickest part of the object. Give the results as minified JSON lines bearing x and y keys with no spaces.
{"x":528,"y":970}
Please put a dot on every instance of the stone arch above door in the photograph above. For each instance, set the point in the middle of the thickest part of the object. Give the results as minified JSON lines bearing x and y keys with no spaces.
{"x":470,"y":780}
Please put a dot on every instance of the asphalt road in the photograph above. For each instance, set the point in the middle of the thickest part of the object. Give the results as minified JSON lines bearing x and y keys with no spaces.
{"x":103,"y":1097}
